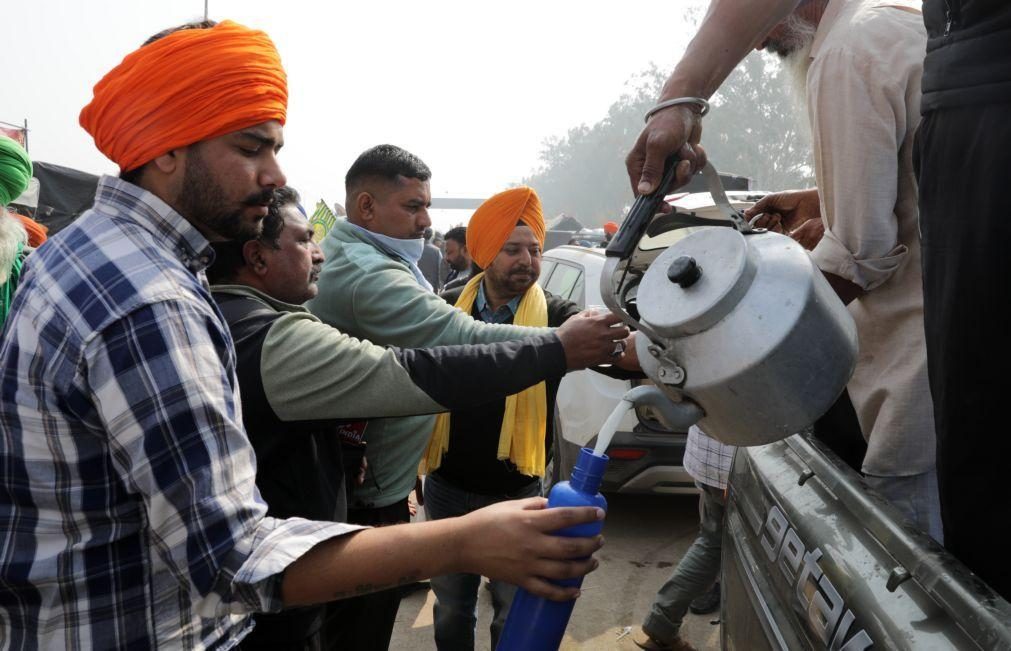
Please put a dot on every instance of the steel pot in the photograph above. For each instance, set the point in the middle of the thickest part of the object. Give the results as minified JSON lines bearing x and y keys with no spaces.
{"x":741,"y":323}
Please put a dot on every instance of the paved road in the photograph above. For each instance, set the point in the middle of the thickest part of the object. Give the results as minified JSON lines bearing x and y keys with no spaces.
{"x":645,"y":538}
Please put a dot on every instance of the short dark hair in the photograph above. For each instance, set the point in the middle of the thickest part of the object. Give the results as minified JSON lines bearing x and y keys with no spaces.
{"x":228,"y":258}
{"x":273,"y":223}
{"x":458,"y":234}
{"x":385,"y":162}
{"x":133,"y":176}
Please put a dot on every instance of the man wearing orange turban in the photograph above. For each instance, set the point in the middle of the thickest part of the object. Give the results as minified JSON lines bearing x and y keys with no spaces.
{"x":610,"y":228}
{"x":131,"y":516}
{"x":496,"y":451}
{"x":495,"y":220}
{"x":196,"y":117}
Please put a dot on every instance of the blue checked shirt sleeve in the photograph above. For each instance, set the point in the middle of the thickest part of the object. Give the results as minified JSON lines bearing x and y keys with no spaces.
{"x":163,"y":382}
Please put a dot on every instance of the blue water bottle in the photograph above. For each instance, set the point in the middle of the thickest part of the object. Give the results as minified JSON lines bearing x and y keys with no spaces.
{"x":535,"y":623}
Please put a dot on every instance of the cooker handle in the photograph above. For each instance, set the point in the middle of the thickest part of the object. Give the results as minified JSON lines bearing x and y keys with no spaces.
{"x":720,"y":199}
{"x":641,"y":214}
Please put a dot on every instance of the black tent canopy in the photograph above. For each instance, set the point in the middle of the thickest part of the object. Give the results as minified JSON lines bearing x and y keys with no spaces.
{"x":64,"y":193}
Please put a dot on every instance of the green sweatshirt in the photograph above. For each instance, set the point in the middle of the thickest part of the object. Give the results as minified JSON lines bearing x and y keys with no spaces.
{"x":311,"y":371}
{"x":366,"y":291}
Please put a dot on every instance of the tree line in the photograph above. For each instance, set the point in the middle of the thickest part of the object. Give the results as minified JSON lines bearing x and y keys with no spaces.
{"x":754,"y":129}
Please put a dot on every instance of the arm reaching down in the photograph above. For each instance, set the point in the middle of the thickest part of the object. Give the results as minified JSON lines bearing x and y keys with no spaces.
{"x":730,"y":29}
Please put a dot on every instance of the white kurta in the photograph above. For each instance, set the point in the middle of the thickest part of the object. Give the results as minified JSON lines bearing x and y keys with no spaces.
{"x":863,"y":89}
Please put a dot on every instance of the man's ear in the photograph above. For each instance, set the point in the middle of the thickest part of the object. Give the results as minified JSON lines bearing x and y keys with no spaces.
{"x":365,"y":204}
{"x":253,"y":254}
{"x":170,"y":161}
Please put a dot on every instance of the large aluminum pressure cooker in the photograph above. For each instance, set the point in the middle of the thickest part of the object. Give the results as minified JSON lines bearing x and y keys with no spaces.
{"x":734,"y":320}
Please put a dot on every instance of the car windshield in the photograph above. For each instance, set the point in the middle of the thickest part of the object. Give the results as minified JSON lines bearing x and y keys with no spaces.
{"x":664,"y":240}
{"x":692,"y":212}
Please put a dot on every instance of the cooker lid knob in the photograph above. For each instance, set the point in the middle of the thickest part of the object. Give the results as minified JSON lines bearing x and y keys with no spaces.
{"x":684,"y":271}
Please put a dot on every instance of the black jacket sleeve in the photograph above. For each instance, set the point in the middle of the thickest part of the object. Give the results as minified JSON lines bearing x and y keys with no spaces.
{"x":462,"y":376}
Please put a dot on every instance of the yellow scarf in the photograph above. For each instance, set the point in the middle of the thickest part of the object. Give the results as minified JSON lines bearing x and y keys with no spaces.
{"x":524,"y":423}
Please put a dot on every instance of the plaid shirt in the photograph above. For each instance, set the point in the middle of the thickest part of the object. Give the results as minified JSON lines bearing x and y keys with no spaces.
{"x":129,"y":516}
{"x":706,"y":459}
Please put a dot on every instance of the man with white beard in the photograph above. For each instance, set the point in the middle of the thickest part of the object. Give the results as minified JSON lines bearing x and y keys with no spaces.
{"x":15,"y":172}
{"x":861,"y":63}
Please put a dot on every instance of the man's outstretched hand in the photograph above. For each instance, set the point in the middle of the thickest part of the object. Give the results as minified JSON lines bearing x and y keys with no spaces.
{"x":591,"y":338}
{"x":796,"y":213}
{"x":512,"y":542}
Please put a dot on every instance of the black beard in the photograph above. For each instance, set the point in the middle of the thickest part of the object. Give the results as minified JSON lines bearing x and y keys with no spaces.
{"x":203,"y":201}
{"x":515,"y":287}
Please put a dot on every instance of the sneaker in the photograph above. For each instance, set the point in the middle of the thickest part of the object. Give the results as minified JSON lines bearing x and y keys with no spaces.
{"x":708,"y":602}
{"x":644,"y":641}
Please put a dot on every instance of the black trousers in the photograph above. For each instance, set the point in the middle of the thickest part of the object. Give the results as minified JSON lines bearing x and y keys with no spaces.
{"x":366,"y":623}
{"x":312,"y":643}
{"x":963,"y":158}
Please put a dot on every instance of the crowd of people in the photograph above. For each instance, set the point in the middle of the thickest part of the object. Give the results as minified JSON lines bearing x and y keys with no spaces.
{"x":138,"y":396}
{"x":211,"y":424}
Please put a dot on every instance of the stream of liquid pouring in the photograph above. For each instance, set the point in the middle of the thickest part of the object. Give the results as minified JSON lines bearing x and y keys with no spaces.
{"x":610,"y":426}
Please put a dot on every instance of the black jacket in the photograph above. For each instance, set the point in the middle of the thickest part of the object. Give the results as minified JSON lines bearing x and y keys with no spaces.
{"x":456,"y":282}
{"x":968,"y":57}
{"x":300,"y":469}
{"x":471,"y":462}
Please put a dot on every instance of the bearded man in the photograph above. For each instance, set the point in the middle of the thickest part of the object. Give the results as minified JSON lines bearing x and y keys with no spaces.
{"x":485,"y":454}
{"x":963,"y":161}
{"x":129,"y":507}
{"x":860,"y":63}
{"x":457,"y":258}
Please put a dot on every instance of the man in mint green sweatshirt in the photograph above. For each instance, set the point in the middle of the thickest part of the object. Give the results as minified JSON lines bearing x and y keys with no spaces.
{"x":370,"y":287}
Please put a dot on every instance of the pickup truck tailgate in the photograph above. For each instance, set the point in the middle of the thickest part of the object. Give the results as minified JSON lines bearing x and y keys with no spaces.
{"x":813,"y":559}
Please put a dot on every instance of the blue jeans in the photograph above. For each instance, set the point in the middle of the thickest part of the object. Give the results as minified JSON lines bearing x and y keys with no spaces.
{"x":696,"y":572}
{"x":456,"y":594}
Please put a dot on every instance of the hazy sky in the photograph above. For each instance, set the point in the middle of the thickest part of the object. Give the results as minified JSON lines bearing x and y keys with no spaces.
{"x":473,"y":88}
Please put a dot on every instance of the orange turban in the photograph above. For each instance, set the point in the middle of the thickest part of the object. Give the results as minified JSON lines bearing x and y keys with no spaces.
{"x":611,"y":228}
{"x":495,"y":219}
{"x":36,"y":231}
{"x":191,"y":85}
